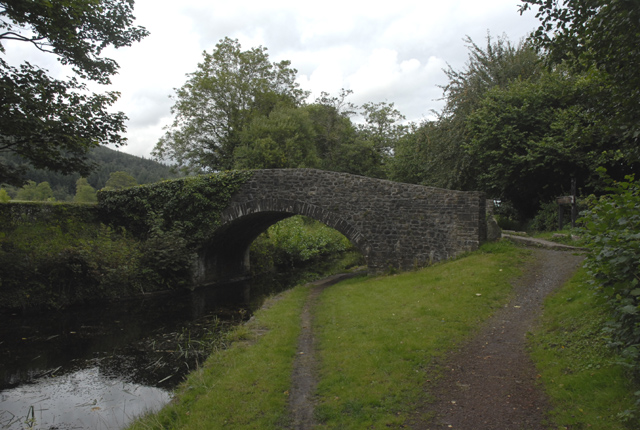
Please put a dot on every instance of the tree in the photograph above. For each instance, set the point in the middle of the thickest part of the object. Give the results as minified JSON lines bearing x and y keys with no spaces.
{"x":53,"y":123}
{"x":439,"y":145}
{"x":284,"y":139}
{"x":119,"y":180}
{"x":4,"y":196}
{"x":382,"y":126}
{"x":333,"y":128}
{"x":495,"y":65}
{"x":340,"y":145}
{"x":413,"y":155}
{"x":530,"y":139}
{"x":85,"y":193}
{"x":35,"y":192}
{"x":219,"y":100}
{"x":602,"y":37}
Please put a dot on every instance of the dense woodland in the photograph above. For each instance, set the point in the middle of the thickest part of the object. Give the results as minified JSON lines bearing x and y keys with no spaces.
{"x":107,"y":161}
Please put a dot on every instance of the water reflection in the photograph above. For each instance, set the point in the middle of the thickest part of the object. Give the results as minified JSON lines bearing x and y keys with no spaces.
{"x":84,"y":399}
{"x":98,"y":367}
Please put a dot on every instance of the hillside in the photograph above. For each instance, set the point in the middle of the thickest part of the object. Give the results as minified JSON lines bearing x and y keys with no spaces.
{"x":145,"y":171}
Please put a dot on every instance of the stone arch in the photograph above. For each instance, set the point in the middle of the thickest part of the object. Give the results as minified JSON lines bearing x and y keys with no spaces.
{"x":226,"y":255}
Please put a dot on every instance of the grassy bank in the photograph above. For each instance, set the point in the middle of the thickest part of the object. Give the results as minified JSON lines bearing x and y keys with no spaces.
{"x":377,"y":336}
{"x":587,"y":381}
{"x":378,"y":339}
{"x":246,"y":385}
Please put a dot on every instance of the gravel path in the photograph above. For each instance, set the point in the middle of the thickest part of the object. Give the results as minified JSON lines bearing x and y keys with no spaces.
{"x":490,"y":383}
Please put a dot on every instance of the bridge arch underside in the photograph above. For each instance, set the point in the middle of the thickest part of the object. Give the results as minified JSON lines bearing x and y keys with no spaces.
{"x":226,"y":255}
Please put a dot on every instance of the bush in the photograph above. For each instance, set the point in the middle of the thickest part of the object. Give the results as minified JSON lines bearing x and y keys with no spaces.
{"x":55,"y":264}
{"x":294,"y":241}
{"x":166,"y":257}
{"x":547,"y":218}
{"x":612,"y":232}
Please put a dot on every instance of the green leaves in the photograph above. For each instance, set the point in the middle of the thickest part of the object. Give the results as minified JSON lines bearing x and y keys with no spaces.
{"x":600,"y":37}
{"x":294,"y":241}
{"x":530,"y":138}
{"x":441,"y":145}
{"x":283,"y":139}
{"x":230,"y":89}
{"x":612,"y":225}
{"x":193,"y":203}
{"x":62,"y":256}
{"x":54,"y":123}
{"x":76,"y":31}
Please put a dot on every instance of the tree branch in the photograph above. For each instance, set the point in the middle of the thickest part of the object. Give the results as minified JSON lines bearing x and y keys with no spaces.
{"x":10,"y":35}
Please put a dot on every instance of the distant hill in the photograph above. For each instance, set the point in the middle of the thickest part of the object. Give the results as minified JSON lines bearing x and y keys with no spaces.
{"x":108,"y":160}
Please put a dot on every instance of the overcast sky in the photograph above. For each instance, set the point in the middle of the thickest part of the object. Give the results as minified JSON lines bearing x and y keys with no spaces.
{"x":391,"y":51}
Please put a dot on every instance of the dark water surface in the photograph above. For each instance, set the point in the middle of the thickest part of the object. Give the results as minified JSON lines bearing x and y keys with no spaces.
{"x":99,"y":367}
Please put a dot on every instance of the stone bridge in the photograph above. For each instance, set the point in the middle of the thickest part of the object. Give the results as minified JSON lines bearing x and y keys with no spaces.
{"x":394,"y":225}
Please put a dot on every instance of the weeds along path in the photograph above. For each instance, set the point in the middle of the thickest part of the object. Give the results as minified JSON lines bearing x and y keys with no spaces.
{"x":304,"y":377}
{"x":490,"y":383}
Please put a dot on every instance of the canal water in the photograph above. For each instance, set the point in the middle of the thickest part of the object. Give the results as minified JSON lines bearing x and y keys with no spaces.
{"x":99,"y":367}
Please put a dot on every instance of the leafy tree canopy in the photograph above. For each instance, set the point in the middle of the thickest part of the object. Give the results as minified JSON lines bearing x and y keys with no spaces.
{"x":52,"y":123}
{"x":530,"y":139}
{"x":230,"y":89}
{"x":4,"y":196}
{"x":284,"y":139}
{"x":602,"y":36}
{"x":434,"y":152}
{"x":85,"y":193}
{"x":120,"y":180}
{"x":35,"y":192}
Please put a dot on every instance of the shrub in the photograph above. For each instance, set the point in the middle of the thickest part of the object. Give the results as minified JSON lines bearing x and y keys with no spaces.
{"x":547,"y":218}
{"x":4,"y":196}
{"x":55,"y":264}
{"x":612,"y":230}
{"x":294,"y":241}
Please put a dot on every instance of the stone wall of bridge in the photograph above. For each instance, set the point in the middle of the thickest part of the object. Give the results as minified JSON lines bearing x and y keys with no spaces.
{"x":395,"y":225}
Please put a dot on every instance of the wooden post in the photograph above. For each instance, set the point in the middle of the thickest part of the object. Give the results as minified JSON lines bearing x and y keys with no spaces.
{"x":564,"y":200}
{"x":560,"y":216}
{"x":574,"y":203}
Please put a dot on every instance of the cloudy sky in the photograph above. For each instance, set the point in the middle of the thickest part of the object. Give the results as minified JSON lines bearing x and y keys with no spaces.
{"x":391,"y":51}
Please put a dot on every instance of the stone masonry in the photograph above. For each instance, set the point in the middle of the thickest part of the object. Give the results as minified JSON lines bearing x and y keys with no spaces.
{"x":394,"y":225}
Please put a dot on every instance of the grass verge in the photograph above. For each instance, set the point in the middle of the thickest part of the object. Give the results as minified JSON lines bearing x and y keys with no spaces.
{"x":582,"y":375}
{"x":245,"y":386}
{"x":378,"y":337}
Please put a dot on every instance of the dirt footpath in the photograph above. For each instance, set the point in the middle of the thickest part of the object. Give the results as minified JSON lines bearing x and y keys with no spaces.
{"x":490,"y":383}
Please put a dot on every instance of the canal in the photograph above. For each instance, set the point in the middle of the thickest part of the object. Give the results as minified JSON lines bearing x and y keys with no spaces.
{"x":98,"y":367}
